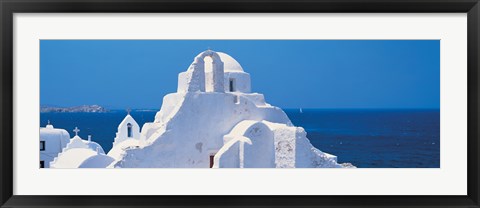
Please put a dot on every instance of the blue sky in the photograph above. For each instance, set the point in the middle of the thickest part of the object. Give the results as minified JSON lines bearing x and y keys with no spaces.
{"x":121,"y":74}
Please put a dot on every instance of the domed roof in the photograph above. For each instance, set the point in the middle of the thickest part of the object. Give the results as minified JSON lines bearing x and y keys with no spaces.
{"x":94,"y":146}
{"x":229,"y":63}
{"x":97,"y":161}
{"x":58,"y":136}
{"x":78,"y":143}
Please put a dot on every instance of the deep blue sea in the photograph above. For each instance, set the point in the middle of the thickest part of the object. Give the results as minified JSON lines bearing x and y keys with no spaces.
{"x":365,"y":138}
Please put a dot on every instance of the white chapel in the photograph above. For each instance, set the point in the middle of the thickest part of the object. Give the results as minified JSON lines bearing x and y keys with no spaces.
{"x":213,"y":120}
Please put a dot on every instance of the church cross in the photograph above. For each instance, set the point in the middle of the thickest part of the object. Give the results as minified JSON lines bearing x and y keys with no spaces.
{"x":48,"y":122}
{"x":76,"y":130}
{"x":128,"y":111}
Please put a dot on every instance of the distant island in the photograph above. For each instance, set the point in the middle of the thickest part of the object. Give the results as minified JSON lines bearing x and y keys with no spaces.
{"x":75,"y":109}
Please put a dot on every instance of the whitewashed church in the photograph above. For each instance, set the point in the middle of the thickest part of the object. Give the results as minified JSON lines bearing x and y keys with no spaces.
{"x":212,"y":121}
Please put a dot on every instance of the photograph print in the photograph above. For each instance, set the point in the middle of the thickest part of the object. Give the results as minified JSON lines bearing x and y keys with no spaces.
{"x":239,"y":104}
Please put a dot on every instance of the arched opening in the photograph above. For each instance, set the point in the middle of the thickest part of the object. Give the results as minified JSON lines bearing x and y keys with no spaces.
{"x":207,"y":73}
{"x":209,"y":79}
{"x":129,"y":130}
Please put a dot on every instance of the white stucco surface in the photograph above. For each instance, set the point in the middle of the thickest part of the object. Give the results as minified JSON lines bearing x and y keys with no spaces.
{"x":119,"y":148}
{"x":72,"y":158}
{"x":97,"y":161}
{"x":55,"y":140}
{"x":213,"y":120}
{"x":239,"y":128}
{"x":79,"y":153}
{"x":122,"y":130}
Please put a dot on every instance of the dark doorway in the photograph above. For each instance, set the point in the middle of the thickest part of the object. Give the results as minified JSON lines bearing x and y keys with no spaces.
{"x":211,"y":160}
{"x":42,"y":164}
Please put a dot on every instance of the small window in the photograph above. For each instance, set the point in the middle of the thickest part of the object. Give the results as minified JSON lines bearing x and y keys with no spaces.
{"x":232,"y":85}
{"x":129,"y":130}
{"x":42,"y":145}
{"x":42,"y":164}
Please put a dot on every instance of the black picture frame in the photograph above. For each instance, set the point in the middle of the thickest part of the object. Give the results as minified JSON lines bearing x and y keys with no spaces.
{"x":9,"y":7}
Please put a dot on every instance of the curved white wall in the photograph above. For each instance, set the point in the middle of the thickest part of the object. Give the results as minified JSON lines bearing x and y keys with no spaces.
{"x":55,"y":140}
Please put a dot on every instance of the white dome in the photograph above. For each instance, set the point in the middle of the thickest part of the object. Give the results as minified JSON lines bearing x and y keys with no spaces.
{"x":229,"y":63}
{"x":56,"y":139}
{"x":97,"y":161}
{"x":94,"y":146}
